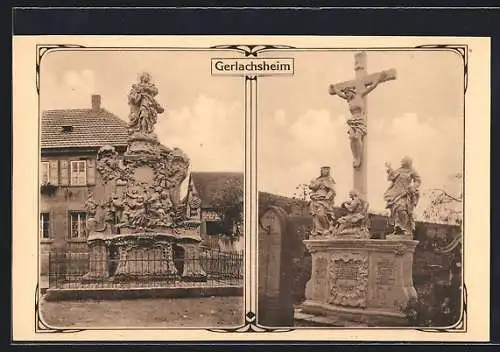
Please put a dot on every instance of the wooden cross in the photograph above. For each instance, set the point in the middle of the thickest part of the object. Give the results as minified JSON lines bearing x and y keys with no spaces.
{"x":362,"y":82}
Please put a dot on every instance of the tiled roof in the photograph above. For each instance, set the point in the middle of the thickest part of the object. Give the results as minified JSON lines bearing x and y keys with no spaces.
{"x":209,"y":184}
{"x":91,"y":128}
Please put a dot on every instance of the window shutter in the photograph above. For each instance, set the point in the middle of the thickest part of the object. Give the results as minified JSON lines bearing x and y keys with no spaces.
{"x":91,"y":172}
{"x":64,"y":173}
{"x":51,"y":224}
{"x":54,"y":172}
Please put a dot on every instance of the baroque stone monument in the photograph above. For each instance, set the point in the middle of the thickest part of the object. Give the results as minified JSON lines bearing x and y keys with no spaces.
{"x":357,"y":280}
{"x":140,"y":219}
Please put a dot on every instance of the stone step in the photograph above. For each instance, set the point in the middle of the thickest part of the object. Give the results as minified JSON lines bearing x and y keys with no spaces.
{"x":304,"y":319}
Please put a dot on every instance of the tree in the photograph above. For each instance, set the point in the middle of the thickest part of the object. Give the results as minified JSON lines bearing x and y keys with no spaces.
{"x":439,"y":304}
{"x":445,"y":204}
{"x":303,"y":193}
{"x":229,"y":204}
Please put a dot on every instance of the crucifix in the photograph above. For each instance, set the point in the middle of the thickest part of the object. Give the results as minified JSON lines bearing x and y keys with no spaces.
{"x":355,"y":92}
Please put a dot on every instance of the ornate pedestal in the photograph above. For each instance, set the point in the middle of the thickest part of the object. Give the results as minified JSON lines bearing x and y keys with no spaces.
{"x":360,"y":281}
{"x":98,"y":261}
{"x":192,"y":267}
{"x":145,"y":256}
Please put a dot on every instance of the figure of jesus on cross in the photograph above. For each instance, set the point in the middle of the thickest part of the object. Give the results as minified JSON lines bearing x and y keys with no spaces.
{"x":355,"y":92}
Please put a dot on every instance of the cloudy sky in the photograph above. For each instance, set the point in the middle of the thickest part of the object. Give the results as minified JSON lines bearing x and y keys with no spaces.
{"x":420,"y":114}
{"x":204,"y":115}
{"x":300,"y":126}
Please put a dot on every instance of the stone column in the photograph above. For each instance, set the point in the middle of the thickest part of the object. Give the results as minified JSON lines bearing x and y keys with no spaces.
{"x":98,"y":261}
{"x":360,"y":281}
{"x":193,"y":270}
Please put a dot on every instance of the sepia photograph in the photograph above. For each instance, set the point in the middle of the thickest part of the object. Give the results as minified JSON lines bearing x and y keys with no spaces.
{"x":141,"y":190}
{"x":250,"y":189}
{"x":360,"y":176}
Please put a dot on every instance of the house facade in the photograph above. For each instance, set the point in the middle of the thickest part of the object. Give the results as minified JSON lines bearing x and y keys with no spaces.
{"x":216,"y":189}
{"x":70,"y":141}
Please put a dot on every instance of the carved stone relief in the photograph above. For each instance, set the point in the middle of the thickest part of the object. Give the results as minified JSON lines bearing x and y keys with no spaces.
{"x":152,"y":179}
{"x":348,"y":274}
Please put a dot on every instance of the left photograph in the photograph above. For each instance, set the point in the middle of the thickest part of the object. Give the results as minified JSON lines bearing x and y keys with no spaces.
{"x":141,"y":190}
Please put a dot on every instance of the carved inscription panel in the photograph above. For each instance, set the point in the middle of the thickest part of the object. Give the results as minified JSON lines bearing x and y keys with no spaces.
{"x":347,"y":274}
{"x":385,"y":272}
{"x":384,"y":281}
{"x":320,"y":278}
{"x":348,"y":279}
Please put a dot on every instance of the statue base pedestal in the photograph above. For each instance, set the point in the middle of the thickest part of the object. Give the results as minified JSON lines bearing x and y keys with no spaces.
{"x":345,"y":231}
{"x":145,"y":257}
{"x":193,"y":270}
{"x":140,"y":142}
{"x":360,"y":281}
{"x":98,"y":262}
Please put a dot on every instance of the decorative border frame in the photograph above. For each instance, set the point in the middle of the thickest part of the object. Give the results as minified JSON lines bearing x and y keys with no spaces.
{"x":250,"y":323}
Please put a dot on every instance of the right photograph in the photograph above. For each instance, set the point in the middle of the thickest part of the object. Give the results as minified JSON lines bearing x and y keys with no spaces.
{"x":360,"y":164}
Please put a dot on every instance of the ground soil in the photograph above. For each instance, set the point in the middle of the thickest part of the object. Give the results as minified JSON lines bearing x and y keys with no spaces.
{"x":210,"y":312}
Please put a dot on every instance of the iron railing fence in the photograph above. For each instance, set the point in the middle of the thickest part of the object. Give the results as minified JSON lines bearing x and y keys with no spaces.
{"x":145,"y":269}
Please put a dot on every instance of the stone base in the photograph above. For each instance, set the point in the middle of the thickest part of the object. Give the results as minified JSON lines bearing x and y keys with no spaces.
{"x":350,"y":232}
{"x":192,"y":267}
{"x":145,"y":257}
{"x":198,"y":290}
{"x":135,"y":277}
{"x":331,"y":315}
{"x":141,"y":142}
{"x":353,"y":279}
{"x":98,"y":261}
{"x":394,"y":236}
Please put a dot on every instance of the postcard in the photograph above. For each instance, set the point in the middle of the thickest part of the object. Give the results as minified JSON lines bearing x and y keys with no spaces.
{"x":183,"y":188}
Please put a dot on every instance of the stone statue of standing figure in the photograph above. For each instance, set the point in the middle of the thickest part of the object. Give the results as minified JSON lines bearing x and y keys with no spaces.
{"x":144,"y":109}
{"x":357,"y":120}
{"x":322,"y":203}
{"x":402,"y":196}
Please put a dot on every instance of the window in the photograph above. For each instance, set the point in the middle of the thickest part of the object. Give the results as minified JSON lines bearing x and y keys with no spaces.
{"x":214,"y":228}
{"x":45,"y":172}
{"x":44,"y":226}
{"x":77,"y":225}
{"x":78,"y":173}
